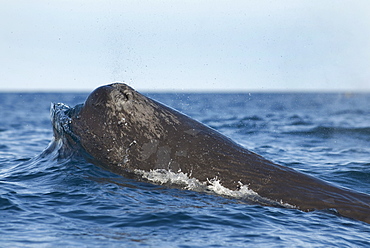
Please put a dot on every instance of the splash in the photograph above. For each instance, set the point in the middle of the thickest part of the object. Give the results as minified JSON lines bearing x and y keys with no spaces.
{"x":161,"y":176}
{"x":214,"y":185}
{"x":58,"y":116}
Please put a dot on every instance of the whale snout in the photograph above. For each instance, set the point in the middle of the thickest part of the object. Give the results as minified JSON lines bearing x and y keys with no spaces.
{"x":116,"y":93}
{"x":99,"y":96}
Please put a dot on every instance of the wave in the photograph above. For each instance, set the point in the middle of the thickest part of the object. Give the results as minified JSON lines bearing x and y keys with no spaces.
{"x":351,"y":112}
{"x":247,"y":124}
{"x":256,"y":123}
{"x":330,"y":131}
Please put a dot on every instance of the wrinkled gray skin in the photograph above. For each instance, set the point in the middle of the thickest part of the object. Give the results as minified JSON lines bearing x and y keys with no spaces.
{"x":121,"y":130}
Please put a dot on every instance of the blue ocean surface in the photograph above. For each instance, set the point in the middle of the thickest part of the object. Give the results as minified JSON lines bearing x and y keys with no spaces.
{"x":51,"y":202}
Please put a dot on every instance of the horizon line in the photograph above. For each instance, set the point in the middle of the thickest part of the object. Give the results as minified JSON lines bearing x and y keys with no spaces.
{"x":196,"y":91}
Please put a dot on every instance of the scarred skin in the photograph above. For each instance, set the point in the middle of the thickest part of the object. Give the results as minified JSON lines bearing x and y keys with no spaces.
{"x":121,"y":130}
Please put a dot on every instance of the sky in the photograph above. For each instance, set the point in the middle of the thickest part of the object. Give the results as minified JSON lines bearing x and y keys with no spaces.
{"x":194,"y":45}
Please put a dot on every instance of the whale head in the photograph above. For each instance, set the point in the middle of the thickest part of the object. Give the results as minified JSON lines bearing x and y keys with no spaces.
{"x":118,"y":126}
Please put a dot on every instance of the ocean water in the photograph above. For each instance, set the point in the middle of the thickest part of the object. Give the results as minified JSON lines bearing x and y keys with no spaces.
{"x":49,"y":202}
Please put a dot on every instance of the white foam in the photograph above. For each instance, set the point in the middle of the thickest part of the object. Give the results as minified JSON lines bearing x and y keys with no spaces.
{"x":243,"y":191}
{"x":161,"y":176}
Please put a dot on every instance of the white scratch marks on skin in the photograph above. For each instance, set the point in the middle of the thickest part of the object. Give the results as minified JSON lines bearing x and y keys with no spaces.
{"x":126,"y":157}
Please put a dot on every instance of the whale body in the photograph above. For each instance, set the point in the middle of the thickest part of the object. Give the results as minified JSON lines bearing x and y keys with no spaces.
{"x":129,"y":134}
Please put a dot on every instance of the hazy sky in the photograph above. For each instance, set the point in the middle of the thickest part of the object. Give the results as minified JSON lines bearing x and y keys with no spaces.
{"x":185,"y":45}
